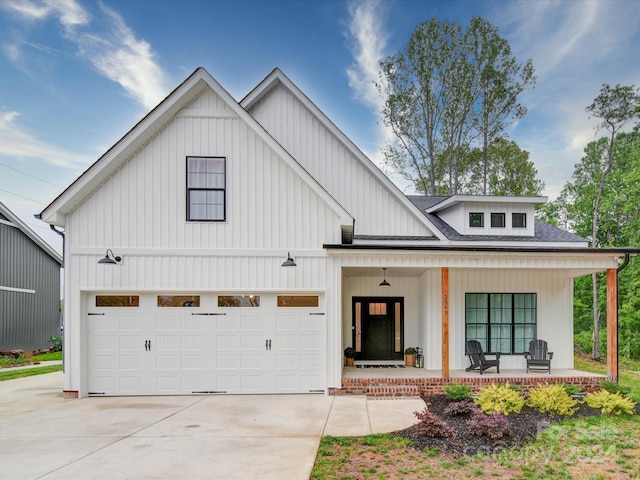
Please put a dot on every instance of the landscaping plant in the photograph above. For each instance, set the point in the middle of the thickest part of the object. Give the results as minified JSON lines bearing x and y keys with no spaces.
{"x":615,"y":387}
{"x":552,"y":399}
{"x":500,"y":399}
{"x":56,"y":343}
{"x":494,"y":426}
{"x":610,"y":403}
{"x":457,"y":393}
{"x":459,"y":409}
{"x":432,"y":426}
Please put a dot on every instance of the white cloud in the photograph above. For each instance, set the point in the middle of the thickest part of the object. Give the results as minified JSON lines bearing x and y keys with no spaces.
{"x":575,"y":48}
{"x":368,"y":37}
{"x":17,"y":143}
{"x":106,"y":42}
{"x":124,"y":59}
{"x":369,"y":42}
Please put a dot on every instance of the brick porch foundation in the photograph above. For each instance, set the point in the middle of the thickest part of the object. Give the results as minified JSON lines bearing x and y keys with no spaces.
{"x":416,"y":387}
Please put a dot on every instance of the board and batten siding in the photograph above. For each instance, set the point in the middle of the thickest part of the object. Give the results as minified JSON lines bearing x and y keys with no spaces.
{"x":143,"y":205}
{"x":423,"y":308}
{"x":554,"y":309}
{"x":376,"y":209}
{"x":27,"y":320}
{"x":140,"y":213}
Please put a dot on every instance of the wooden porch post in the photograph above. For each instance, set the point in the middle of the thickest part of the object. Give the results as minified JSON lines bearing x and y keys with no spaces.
{"x":445,"y":322}
{"x":612,"y":322}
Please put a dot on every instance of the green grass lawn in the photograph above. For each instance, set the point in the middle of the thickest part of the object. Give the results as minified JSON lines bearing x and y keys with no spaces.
{"x":47,"y":357}
{"x":629,"y":374}
{"x":12,"y":373}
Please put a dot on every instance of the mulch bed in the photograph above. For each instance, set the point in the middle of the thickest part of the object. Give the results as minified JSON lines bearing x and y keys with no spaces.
{"x":523,"y":427}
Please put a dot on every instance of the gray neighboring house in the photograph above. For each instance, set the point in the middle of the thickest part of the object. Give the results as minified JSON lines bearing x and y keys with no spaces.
{"x":29,"y":286}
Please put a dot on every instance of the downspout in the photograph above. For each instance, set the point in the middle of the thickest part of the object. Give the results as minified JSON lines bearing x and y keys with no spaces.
{"x":61,"y":233}
{"x":621,"y":267}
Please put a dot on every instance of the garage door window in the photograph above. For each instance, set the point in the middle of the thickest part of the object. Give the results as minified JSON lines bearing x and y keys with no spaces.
{"x":117,"y":300}
{"x":297,"y":300}
{"x":238,"y":300}
{"x":178,"y":300}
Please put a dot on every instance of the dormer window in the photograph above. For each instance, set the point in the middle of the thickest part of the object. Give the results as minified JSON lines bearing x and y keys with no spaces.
{"x":519,"y":220}
{"x":497,"y":220}
{"x":476,"y":219}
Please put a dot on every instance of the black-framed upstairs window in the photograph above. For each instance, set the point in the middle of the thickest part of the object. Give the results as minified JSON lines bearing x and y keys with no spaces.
{"x":497,"y":220}
{"x":501,"y":322}
{"x":476,"y":219}
{"x":206,"y":189}
{"x":519,"y":220}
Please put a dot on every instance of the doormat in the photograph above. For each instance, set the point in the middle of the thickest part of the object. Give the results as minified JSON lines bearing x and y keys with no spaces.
{"x":379,"y":366}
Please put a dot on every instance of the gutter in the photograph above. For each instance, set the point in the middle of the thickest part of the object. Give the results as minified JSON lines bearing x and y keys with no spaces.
{"x":449,"y":248}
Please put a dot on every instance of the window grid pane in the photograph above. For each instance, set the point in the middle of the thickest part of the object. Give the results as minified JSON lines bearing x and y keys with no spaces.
{"x":501,"y":322}
{"x":206,"y":188}
{"x":519,"y":220}
{"x":497,"y":220}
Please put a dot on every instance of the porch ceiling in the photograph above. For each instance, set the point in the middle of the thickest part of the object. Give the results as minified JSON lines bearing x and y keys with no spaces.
{"x":377,"y":271}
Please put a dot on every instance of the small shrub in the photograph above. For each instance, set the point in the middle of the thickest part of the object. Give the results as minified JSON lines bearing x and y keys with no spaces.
{"x":457,"y":409}
{"x":56,"y":343}
{"x":500,"y":399}
{"x":12,"y":361}
{"x":494,"y":426}
{"x":615,"y":387}
{"x":432,"y":426}
{"x":552,"y":399}
{"x":457,"y":393}
{"x":570,"y":389}
{"x":610,"y":403}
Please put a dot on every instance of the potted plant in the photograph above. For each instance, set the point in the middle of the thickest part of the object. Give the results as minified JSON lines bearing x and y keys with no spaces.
{"x":410,"y":357}
{"x":349,"y":355}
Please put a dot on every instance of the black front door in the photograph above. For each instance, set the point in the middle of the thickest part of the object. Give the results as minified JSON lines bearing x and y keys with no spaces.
{"x":378,"y":328}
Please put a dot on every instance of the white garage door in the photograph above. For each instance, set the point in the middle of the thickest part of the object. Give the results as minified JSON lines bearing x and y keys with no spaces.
{"x":139,"y":348}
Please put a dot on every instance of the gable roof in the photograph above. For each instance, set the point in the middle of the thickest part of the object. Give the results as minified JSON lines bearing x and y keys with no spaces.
{"x":544,"y":232}
{"x":103,"y":168}
{"x":14,"y":221}
{"x":276,"y":78}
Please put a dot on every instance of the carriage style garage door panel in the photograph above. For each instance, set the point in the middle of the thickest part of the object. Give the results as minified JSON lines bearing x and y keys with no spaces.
{"x":148,"y":350}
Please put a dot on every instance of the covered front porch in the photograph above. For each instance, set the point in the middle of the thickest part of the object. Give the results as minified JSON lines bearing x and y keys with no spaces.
{"x":421,"y":301}
{"x":399,"y":381}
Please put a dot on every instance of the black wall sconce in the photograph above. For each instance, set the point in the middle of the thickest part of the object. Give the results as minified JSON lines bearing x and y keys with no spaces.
{"x":110,"y":258}
{"x":289,"y":261}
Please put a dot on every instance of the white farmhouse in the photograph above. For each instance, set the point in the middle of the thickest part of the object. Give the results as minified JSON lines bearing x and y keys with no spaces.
{"x":239,"y":247}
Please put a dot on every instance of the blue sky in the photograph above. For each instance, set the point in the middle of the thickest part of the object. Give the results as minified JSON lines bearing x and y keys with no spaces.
{"x":76,"y":75}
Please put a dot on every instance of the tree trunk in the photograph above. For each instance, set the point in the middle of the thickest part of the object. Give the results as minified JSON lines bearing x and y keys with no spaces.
{"x":594,"y":244}
{"x":596,"y":319}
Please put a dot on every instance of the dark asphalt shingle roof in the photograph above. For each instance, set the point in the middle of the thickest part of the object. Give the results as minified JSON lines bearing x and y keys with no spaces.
{"x":544,"y":231}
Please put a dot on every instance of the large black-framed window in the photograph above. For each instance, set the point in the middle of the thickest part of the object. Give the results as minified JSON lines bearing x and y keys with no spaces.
{"x":501,"y":322}
{"x":206,"y":189}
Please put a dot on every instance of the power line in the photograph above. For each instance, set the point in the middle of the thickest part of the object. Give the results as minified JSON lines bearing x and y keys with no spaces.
{"x":29,"y":175}
{"x":22,"y":196}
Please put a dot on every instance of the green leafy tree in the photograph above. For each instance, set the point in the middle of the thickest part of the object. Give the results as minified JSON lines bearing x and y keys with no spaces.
{"x":615,"y":107}
{"x":501,"y":79}
{"x":510,"y":172}
{"x":619,"y":226}
{"x":449,"y":88}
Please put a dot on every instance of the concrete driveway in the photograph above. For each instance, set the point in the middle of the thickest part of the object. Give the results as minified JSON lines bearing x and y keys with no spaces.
{"x":43,"y":436}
